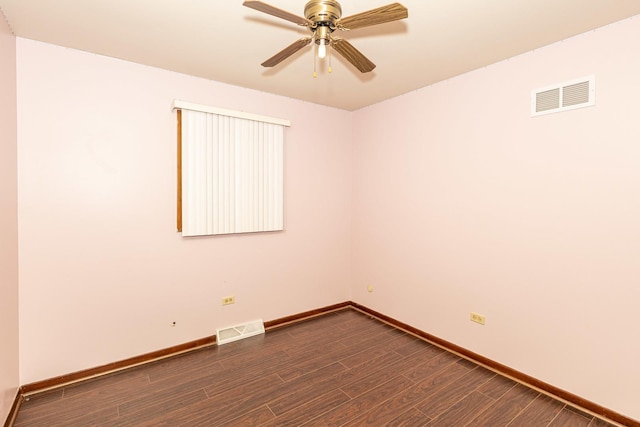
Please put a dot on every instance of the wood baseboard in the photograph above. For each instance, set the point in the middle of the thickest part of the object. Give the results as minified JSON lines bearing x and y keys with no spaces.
{"x":571,"y":398}
{"x":552,"y":390}
{"x":305,"y":315}
{"x":40,"y":386}
{"x":13,"y":412}
{"x":85,"y":374}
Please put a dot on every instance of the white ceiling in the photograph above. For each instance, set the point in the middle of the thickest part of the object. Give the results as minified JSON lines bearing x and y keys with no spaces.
{"x":224,"y":41}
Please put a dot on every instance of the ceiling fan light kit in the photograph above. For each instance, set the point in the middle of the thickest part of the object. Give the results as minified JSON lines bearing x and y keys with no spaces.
{"x":323,"y":17}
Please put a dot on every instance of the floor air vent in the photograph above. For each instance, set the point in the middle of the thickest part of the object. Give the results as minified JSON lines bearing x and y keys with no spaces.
{"x":564,"y":96}
{"x":235,"y":333}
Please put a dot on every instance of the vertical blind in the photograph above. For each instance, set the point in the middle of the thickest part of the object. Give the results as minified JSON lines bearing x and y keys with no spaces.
{"x":230,"y":171}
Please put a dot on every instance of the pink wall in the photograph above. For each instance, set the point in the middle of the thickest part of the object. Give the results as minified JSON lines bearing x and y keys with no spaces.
{"x":465,"y":203}
{"x":9,"y":222}
{"x":103,"y":271}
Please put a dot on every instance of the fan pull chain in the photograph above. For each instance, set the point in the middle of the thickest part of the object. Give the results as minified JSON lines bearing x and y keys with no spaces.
{"x":330,"y":56}
{"x":315,"y":54}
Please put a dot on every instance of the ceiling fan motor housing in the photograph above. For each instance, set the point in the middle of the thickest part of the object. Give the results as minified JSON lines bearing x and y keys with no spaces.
{"x":323,"y":12}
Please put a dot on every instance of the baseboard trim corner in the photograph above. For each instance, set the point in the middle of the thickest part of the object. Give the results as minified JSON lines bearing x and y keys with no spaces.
{"x":570,"y":398}
{"x":13,"y":412}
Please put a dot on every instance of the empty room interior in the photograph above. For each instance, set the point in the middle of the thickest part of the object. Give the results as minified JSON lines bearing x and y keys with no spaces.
{"x":433,"y":205}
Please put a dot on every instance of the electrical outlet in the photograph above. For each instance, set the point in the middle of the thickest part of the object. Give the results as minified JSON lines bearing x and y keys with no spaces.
{"x":228,"y":300}
{"x":478,"y":318}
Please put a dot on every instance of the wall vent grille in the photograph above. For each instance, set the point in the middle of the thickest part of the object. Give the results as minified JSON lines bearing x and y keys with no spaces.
{"x":564,"y":96}
{"x":547,"y":100}
{"x":238,"y":332}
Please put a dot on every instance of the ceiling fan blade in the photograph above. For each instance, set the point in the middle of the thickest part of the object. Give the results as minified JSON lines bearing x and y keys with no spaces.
{"x":380,"y":15}
{"x":353,"y":55}
{"x":279,"y":13}
{"x":286,"y":52}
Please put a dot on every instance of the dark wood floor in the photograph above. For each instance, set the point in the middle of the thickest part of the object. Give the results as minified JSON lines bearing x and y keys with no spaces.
{"x":341,"y":369}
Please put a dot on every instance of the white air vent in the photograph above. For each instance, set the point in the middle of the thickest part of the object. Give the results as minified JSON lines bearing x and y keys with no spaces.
{"x":564,"y":96}
{"x":238,"y":332}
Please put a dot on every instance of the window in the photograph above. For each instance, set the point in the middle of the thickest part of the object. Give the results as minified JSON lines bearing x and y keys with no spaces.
{"x":230,"y":171}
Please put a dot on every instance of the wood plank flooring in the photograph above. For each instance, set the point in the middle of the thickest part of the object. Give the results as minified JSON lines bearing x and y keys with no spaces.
{"x":340,"y":369}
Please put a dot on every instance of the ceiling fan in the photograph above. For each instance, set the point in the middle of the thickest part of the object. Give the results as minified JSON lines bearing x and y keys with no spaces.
{"x":323,"y":17}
